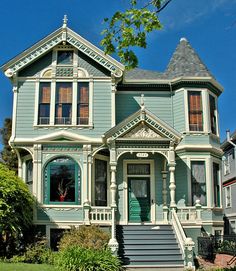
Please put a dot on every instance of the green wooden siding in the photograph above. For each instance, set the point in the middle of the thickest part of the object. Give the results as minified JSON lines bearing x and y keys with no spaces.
{"x":178,"y":111}
{"x":157,"y":103}
{"x":60,"y":215}
{"x":37,"y":66}
{"x":181,"y":174}
{"x":25,"y":112}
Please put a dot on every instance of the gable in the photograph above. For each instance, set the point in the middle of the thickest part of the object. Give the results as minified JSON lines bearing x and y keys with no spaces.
{"x":143,"y":125}
{"x":63,"y":35}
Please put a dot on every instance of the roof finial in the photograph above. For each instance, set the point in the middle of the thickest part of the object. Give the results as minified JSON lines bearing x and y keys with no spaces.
{"x":142,"y":103}
{"x":183,"y":39}
{"x":65,"y":21}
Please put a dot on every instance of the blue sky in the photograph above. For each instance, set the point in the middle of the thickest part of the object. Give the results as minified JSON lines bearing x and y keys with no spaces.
{"x":209,"y":26}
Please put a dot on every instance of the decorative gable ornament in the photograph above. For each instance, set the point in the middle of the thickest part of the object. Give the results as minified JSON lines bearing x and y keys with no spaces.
{"x":63,"y":35}
{"x":142,"y":131}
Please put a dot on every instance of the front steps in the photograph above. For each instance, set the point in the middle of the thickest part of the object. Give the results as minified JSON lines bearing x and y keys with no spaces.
{"x":149,"y":247}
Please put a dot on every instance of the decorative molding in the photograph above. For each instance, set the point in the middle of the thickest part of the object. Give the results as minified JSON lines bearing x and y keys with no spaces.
{"x":62,"y":148}
{"x":142,"y":131}
{"x":64,"y":71}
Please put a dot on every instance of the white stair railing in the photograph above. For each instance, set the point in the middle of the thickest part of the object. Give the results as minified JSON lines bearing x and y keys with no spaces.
{"x":186,"y":243}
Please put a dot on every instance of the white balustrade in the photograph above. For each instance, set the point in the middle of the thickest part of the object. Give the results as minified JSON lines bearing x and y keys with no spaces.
{"x":100,"y":215}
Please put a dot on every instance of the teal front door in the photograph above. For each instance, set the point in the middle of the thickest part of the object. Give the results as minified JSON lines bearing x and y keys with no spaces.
{"x":139,"y":199}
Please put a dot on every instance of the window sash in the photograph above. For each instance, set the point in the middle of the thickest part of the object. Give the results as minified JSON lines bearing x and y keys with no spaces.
{"x":64,"y":57}
{"x":212,"y":113}
{"x":198,"y":182}
{"x":83,"y":103}
{"x":216,"y":169}
{"x":195,"y":111}
{"x":100,"y":182}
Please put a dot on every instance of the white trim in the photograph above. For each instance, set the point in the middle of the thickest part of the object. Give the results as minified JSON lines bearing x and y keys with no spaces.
{"x":230,"y":196}
{"x":186,"y":116}
{"x":91,"y":87}
{"x":218,"y":162}
{"x":80,"y":79}
{"x":74,"y":102}
{"x":216,"y":113}
{"x":52,"y":102}
{"x":36,"y":102}
{"x":152,"y":188}
{"x":107,"y":159}
{"x":14,"y":112}
{"x":113,"y":105}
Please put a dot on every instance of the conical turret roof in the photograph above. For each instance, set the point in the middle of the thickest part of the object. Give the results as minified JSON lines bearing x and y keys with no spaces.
{"x":186,"y":62}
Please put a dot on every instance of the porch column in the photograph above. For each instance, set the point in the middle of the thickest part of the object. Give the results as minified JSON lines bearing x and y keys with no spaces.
{"x":113,"y":244}
{"x":164,"y":188}
{"x":172,"y":185}
{"x":171,"y":165}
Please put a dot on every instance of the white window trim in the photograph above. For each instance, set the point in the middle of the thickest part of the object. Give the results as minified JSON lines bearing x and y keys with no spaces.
{"x":190,"y":159}
{"x":217,"y":161}
{"x":107,"y":159}
{"x":216,"y":114}
{"x":74,"y":80}
{"x":230,"y":197}
{"x":205,"y":110}
{"x":230,"y":222}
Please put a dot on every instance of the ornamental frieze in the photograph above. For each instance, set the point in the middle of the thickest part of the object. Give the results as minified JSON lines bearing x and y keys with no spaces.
{"x":142,"y":131}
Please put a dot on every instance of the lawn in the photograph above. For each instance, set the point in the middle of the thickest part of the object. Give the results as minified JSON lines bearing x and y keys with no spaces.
{"x":25,"y":267}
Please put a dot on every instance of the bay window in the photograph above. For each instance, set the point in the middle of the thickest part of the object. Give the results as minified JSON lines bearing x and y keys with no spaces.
{"x":195,"y":111}
{"x":63,"y":109}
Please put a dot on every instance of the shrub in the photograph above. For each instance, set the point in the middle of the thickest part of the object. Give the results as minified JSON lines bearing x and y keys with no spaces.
{"x":35,"y":253}
{"x":16,"y":211}
{"x":86,"y":237}
{"x":76,"y":258}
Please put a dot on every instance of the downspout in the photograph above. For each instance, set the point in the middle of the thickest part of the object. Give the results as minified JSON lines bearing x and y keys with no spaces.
{"x":172,"y":111}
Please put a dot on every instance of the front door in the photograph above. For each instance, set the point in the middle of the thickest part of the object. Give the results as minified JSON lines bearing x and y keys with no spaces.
{"x":139,"y":199}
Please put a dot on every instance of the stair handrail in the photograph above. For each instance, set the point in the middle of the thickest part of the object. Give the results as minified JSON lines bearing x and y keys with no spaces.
{"x":179,"y":230}
{"x":186,"y":243}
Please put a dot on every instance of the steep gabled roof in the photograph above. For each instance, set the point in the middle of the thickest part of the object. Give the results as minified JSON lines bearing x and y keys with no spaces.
{"x":62,"y":35}
{"x":186,"y":62}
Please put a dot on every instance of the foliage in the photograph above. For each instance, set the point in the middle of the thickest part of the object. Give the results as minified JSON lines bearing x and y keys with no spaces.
{"x":226,"y":246}
{"x":16,"y":206}
{"x":84,"y":236}
{"x":35,"y":253}
{"x":76,"y":258}
{"x":8,"y":155}
{"x":25,"y":267}
{"x":129,"y":28}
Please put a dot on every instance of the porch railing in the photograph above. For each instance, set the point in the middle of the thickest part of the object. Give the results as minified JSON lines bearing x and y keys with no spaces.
{"x":100,"y":215}
{"x":190,"y":214}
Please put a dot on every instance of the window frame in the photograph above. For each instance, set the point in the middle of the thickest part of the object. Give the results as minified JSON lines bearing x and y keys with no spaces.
{"x":107,"y":159}
{"x":46,"y":183}
{"x":201,"y":110}
{"x":217,"y":196}
{"x":228,"y":199}
{"x":75,"y":80}
{"x":191,"y":180}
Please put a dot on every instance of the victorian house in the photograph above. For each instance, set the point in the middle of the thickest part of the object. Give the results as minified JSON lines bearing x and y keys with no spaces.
{"x":136,"y":152}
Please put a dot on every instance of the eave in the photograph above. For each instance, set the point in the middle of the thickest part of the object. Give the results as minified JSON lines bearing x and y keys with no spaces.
{"x":62,"y":35}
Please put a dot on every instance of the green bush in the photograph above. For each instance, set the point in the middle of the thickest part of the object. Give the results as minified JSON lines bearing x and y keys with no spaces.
{"x":86,"y":237}
{"x":76,"y":258}
{"x":35,"y":253}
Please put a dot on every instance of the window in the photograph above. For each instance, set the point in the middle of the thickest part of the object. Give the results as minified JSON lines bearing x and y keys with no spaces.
{"x":228,"y":196}
{"x":195,"y":111}
{"x":44,"y":103}
{"x":63,"y":113}
{"x":138,"y":169}
{"x":83,"y":103}
{"x":226,"y":164}
{"x":232,"y":227}
{"x":100,"y":182}
{"x":29,"y":171}
{"x":62,"y":181}
{"x":212,"y":114}
{"x":216,"y":184}
{"x":65,"y":57}
{"x":198,"y":180}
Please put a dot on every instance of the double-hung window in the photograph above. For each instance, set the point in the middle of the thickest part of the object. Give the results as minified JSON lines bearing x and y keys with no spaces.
{"x":63,"y":112}
{"x":83,"y":103}
{"x":212,"y":105}
{"x":198,"y":180}
{"x":44,"y":103}
{"x":195,"y":111}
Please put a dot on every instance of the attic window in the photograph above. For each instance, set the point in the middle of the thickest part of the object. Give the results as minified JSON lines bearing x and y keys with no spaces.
{"x":64,"y":57}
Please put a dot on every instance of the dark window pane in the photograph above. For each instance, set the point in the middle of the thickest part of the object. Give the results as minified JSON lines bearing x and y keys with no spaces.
{"x":65,"y":57}
{"x":44,"y":103}
{"x":195,"y":111}
{"x":100,"y":182}
{"x":212,"y":114}
{"x":216,"y":184}
{"x":198,"y":177}
{"x":138,"y":169}
{"x":83,"y":104}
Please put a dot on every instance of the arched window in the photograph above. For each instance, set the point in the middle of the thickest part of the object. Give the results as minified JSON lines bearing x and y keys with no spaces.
{"x":62,"y":182}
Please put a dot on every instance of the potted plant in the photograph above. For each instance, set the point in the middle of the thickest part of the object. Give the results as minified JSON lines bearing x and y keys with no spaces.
{"x":62,"y":191}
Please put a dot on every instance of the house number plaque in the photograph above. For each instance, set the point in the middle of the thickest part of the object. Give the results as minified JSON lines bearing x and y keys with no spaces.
{"x":142,"y":155}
